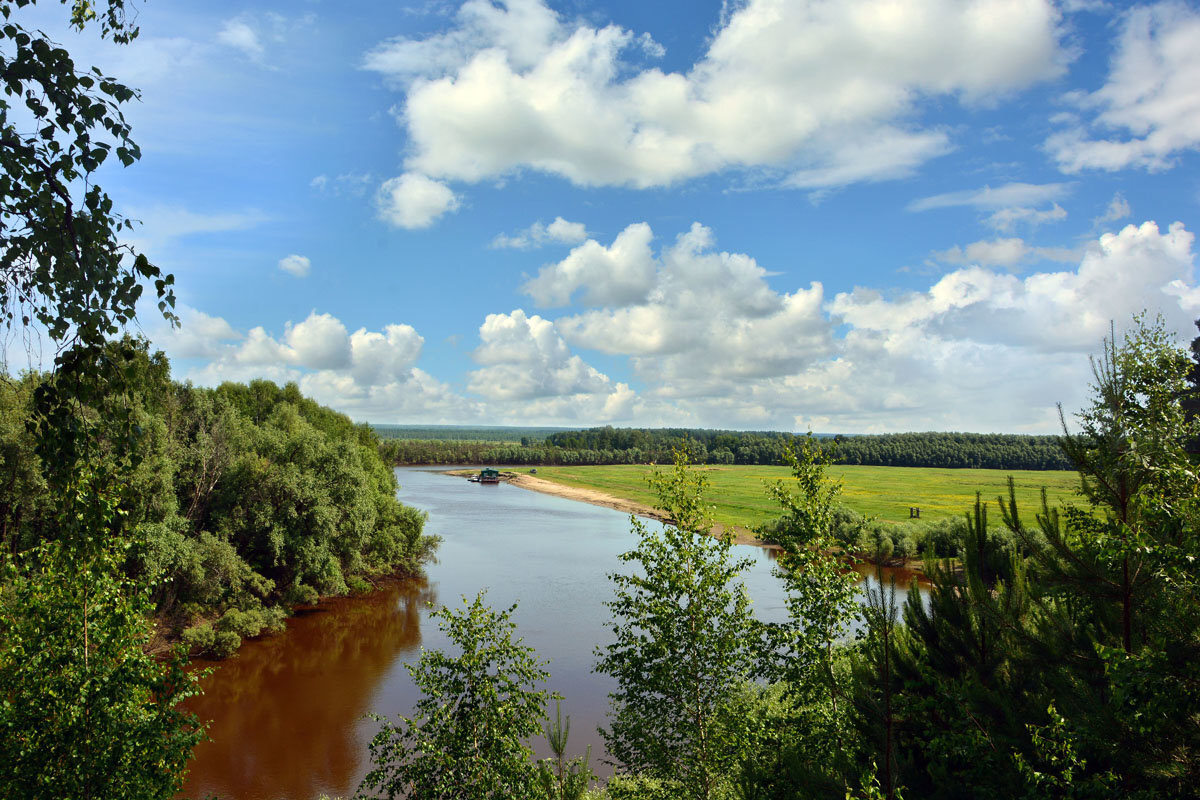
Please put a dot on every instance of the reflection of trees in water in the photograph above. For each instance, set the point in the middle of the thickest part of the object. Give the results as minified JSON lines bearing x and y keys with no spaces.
{"x":286,"y":709}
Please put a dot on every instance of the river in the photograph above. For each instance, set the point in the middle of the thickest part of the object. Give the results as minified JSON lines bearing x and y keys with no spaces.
{"x":288,"y":711}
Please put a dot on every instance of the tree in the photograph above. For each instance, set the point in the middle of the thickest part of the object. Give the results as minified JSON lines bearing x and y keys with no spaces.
{"x":822,"y":604}
{"x":1191,"y":399}
{"x":62,"y":263}
{"x":684,"y":642}
{"x":467,"y":737}
{"x":1133,"y":466}
{"x":1059,"y":659}
{"x":87,"y":712}
{"x":561,"y":778}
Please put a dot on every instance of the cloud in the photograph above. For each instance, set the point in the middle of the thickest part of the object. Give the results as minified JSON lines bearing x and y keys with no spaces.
{"x":525,"y":358}
{"x":1006,"y":219}
{"x":817,"y":94}
{"x":236,"y":33}
{"x":1149,"y":109}
{"x":367,"y":374}
{"x":1119,"y":274}
{"x":613,"y":275}
{"x":414,"y":201}
{"x":295,"y":265}
{"x":1005,"y":252}
{"x":537,"y":234}
{"x":319,"y":342}
{"x":979,"y":349}
{"x":712,"y":343}
{"x":162,"y":226}
{"x":1001,"y":197}
{"x":198,"y":335}
{"x":1118,"y":209}
{"x":706,"y":315}
{"x":354,"y":184}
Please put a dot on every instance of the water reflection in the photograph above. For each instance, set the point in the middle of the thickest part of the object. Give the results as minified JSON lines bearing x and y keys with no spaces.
{"x":286,"y":712}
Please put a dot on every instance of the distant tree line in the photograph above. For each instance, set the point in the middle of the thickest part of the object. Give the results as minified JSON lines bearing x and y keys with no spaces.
{"x":610,"y":445}
{"x":465,"y":433}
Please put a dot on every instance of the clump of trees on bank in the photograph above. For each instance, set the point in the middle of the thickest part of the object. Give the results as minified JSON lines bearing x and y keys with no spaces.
{"x":243,"y":501}
{"x":1059,"y":658}
{"x":609,"y":445}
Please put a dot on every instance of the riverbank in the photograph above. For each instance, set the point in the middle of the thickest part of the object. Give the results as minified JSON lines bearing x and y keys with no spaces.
{"x":740,"y":534}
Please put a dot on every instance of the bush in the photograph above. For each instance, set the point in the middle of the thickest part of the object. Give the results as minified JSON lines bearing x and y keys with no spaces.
{"x":225,"y":644}
{"x":300,"y":594}
{"x":199,"y":638}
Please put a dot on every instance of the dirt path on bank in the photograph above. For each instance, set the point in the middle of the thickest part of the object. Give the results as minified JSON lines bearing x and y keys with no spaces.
{"x":740,"y":535}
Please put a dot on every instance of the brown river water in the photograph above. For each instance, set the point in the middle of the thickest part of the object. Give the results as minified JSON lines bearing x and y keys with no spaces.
{"x":288,"y":714}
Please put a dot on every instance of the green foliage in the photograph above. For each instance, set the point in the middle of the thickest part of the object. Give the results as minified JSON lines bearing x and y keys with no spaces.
{"x":85,"y":711}
{"x":249,"y":499}
{"x":684,"y":641}
{"x":467,"y":737}
{"x":608,"y":445}
{"x":561,"y":778}
{"x":1059,"y":659}
{"x":822,"y":604}
{"x":61,"y":263}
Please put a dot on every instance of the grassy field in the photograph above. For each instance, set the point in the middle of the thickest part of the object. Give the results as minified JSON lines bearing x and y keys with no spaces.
{"x":883,"y":493}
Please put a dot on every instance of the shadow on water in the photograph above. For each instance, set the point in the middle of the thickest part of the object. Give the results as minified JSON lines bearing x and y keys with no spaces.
{"x":286,"y":712}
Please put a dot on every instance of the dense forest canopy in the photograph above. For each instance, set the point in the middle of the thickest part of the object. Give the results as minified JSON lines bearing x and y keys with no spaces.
{"x":610,"y":445}
{"x":249,"y":499}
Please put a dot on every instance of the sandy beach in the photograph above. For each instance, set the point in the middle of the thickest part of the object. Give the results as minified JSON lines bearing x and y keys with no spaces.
{"x":740,"y":535}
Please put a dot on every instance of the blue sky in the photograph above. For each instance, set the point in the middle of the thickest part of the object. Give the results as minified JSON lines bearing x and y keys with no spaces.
{"x":855,"y":216}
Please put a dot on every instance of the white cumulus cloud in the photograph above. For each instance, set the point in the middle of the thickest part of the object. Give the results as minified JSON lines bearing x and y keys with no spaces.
{"x":821,"y":94}
{"x":367,"y":374}
{"x":979,"y":349}
{"x":614,"y":275}
{"x":559,"y":231}
{"x":295,"y":265}
{"x":413,"y":200}
{"x":527,"y":368}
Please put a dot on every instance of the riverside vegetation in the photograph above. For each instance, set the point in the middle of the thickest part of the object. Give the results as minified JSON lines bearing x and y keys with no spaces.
{"x":872,"y":518}
{"x":246,"y":500}
{"x":1058,"y":659}
{"x":1060,"y":662}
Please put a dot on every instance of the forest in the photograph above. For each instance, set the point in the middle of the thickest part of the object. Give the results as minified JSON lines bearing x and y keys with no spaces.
{"x":610,"y":445}
{"x":246,"y":500}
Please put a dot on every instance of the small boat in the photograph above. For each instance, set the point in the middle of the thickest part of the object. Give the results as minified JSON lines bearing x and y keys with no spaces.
{"x":489,"y":475}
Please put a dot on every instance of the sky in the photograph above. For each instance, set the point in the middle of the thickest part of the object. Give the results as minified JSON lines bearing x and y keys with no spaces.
{"x":856,"y":216}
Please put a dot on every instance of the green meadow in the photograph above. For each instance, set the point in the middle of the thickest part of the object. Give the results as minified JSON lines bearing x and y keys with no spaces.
{"x":739,"y":495}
